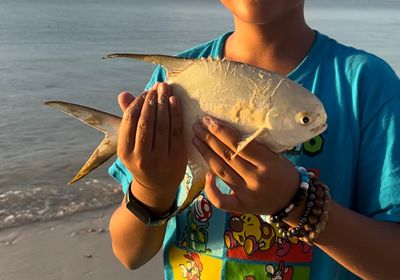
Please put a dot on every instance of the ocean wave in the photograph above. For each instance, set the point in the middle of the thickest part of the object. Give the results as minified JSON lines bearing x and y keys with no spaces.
{"x":23,"y":206}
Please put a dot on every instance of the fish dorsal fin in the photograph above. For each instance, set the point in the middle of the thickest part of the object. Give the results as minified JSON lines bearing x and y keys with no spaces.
{"x":172,"y":64}
{"x":246,"y":140}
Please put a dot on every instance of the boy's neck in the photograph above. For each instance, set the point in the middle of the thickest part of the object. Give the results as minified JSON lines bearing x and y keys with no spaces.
{"x":279,"y":46}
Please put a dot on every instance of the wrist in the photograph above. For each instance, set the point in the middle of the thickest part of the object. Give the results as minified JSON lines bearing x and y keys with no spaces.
{"x":315,"y":212}
{"x":157,"y":203}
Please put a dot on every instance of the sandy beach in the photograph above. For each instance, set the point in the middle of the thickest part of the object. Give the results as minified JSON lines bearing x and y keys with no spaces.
{"x":74,"y":248}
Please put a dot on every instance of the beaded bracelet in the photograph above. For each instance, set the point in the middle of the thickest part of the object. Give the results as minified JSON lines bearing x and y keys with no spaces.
{"x":319,"y":216}
{"x":314,"y":218}
{"x":300,"y":195}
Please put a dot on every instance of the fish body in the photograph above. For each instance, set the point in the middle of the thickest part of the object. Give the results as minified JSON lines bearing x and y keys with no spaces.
{"x":262,"y":105}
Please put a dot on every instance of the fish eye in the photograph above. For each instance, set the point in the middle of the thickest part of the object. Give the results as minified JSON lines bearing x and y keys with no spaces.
{"x":304,"y":118}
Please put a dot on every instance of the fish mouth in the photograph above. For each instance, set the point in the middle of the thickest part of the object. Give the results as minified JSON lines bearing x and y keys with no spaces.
{"x":319,"y":129}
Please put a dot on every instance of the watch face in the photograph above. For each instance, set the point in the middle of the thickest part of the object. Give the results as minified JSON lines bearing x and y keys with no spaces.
{"x":141,"y":212}
{"x":133,"y":205}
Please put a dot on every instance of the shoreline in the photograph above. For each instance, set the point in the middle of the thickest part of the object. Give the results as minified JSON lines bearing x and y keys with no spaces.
{"x":73,"y":248}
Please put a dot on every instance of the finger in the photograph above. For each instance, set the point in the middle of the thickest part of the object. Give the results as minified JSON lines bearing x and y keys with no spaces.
{"x":228,"y":202}
{"x":127,"y":130}
{"x":219,"y":166}
{"x":223,"y":151}
{"x":231,"y":138}
{"x":145,"y":128}
{"x":124,"y":99}
{"x":176,"y":141}
{"x":161,"y":133}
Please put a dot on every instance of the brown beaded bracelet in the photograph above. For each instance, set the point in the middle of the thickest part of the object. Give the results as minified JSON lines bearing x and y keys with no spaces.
{"x":317,"y":220}
{"x":314,"y":218}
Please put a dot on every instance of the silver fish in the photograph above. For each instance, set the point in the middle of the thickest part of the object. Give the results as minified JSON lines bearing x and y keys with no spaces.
{"x":262,"y":105}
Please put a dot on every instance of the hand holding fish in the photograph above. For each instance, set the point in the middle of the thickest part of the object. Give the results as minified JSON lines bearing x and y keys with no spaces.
{"x":261,"y":180}
{"x":146,"y":148}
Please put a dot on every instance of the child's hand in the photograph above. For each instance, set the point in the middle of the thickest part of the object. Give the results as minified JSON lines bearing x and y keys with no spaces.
{"x":151,"y":145}
{"x":262,"y":182}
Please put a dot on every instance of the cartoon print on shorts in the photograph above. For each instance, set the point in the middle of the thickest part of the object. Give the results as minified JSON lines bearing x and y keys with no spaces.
{"x":249,"y":237}
{"x":195,"y":234}
{"x":193,"y":267}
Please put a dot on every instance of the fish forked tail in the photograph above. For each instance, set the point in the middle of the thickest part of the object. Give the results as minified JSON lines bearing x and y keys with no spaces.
{"x":105,"y":122}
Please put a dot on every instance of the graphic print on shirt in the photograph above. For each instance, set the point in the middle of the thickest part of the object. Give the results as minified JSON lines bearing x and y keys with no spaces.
{"x":193,"y":267}
{"x":239,"y":270}
{"x":186,"y":264}
{"x":280,"y":272}
{"x":195,"y":234}
{"x":311,"y":148}
{"x":314,"y":146}
{"x":249,"y":237}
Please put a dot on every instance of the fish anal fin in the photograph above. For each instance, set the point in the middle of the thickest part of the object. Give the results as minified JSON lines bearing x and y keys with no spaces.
{"x":246,"y":140}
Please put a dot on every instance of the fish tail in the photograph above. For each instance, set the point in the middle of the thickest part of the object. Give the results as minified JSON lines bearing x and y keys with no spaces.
{"x":105,"y":122}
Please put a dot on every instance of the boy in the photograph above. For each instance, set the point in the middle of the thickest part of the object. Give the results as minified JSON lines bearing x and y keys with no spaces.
{"x":356,"y":158}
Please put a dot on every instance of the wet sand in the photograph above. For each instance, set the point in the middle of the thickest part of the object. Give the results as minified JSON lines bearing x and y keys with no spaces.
{"x":77,"y":247}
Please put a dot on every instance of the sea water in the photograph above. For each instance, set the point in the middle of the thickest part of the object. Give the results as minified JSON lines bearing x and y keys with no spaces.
{"x":52,"y":49}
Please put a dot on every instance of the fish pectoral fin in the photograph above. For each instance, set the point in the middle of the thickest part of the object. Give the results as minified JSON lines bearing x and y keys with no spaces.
{"x":246,"y":140}
{"x":103,"y":152}
{"x":172,"y":64}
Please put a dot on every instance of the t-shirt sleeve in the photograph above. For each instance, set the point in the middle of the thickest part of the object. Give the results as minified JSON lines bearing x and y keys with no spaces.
{"x":117,"y":170}
{"x":378,"y":171}
{"x":379,"y":165}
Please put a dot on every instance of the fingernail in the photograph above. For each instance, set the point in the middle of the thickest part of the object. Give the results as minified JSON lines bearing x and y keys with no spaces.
{"x":206,"y":121}
{"x":162,"y":89}
{"x":155,"y":85}
{"x":152,"y":99}
{"x":208,"y":176}
{"x":197,"y":127}
{"x":196,"y":141}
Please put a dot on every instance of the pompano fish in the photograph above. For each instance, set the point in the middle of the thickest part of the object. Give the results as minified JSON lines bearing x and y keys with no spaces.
{"x":262,"y":105}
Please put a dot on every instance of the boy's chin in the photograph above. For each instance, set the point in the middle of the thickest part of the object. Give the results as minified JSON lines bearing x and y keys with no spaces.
{"x":261,"y":12}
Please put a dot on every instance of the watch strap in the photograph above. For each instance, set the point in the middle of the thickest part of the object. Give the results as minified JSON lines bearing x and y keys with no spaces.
{"x":143,"y":213}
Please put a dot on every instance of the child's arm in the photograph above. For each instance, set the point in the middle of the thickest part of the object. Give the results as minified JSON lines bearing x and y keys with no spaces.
{"x":157,"y":164}
{"x":133,"y":242}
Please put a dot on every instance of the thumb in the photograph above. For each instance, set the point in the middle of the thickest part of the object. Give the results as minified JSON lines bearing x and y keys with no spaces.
{"x":124,"y":99}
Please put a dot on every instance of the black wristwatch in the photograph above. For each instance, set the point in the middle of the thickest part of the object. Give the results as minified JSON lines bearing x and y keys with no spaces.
{"x":141,"y":211}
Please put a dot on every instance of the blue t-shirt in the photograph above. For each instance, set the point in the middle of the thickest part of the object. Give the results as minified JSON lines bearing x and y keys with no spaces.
{"x":358,"y":157}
